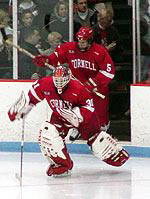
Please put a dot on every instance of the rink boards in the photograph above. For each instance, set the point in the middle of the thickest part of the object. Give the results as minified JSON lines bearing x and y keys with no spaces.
{"x":10,"y":132}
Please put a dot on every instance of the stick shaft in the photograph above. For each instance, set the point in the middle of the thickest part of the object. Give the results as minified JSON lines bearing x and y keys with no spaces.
{"x":26,"y":52}
{"x":20,"y":49}
{"x":20,"y":175}
{"x":97,"y":93}
{"x":22,"y":146}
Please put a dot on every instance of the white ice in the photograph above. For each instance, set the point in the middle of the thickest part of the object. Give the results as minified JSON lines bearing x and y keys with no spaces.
{"x":90,"y":179}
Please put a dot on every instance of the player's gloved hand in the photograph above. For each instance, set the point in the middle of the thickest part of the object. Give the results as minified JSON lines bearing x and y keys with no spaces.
{"x":40,"y":60}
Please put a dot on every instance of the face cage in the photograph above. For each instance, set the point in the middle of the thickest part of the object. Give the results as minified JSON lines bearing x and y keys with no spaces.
{"x":61,"y":82}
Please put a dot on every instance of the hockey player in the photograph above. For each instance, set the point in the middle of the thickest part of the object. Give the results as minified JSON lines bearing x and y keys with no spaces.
{"x":91,"y":64}
{"x":72,"y":106}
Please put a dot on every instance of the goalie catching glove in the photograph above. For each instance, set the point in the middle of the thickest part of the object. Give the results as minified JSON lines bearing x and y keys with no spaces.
{"x":73,"y":116}
{"x":20,"y":108}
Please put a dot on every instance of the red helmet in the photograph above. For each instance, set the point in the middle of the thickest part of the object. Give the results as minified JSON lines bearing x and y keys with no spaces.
{"x":85,"y":33}
{"x":61,"y":77}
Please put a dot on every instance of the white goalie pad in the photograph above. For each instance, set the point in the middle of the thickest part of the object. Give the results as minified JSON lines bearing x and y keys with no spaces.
{"x":105,"y":146}
{"x":20,"y":107}
{"x":51,"y":142}
{"x":73,"y":116}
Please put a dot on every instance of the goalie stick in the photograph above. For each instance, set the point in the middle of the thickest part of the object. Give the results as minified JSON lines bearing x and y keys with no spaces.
{"x":19,"y":176}
{"x":13,"y":113}
{"x":24,"y":51}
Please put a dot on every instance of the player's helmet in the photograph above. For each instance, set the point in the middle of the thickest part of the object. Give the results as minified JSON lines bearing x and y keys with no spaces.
{"x":85,"y":34}
{"x":61,"y":77}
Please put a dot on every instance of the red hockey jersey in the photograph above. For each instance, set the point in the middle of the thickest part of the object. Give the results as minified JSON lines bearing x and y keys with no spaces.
{"x":75,"y":95}
{"x":95,"y":64}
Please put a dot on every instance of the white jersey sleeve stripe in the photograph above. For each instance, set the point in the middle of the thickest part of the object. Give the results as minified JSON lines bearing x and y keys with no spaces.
{"x":56,"y":53}
{"x":92,"y":82}
{"x":111,"y":76}
{"x":34,"y":94}
{"x":89,"y":108}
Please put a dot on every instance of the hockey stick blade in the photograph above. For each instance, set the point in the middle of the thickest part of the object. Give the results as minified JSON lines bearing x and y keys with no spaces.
{"x":19,"y":178}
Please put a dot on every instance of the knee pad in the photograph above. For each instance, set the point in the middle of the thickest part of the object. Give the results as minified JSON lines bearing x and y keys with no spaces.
{"x":107,"y":149}
{"x":50,"y":140}
{"x":53,"y":146}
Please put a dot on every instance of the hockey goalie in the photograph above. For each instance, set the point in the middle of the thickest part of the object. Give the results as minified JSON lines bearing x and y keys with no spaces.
{"x":72,"y":107}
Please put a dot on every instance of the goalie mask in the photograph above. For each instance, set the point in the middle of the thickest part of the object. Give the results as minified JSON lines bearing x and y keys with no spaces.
{"x":61,"y":77}
{"x":85,"y":38}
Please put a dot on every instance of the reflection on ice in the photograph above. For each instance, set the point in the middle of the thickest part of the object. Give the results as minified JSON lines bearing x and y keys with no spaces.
{"x":90,"y":178}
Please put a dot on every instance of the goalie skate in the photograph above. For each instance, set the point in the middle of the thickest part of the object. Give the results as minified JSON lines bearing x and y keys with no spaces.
{"x":52,"y":169}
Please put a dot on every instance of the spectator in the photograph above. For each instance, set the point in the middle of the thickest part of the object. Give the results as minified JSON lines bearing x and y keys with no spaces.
{"x":26,"y":21}
{"x":84,"y":16}
{"x":34,"y":8}
{"x":54,"y":39}
{"x":145,"y":42}
{"x":5,"y":50}
{"x":6,"y":69}
{"x":27,"y":69}
{"x":102,"y":5}
{"x":28,"y":5}
{"x":106,"y":34}
{"x":45,"y":13}
{"x":46,"y":7}
{"x":4,"y":23}
{"x":59,"y":20}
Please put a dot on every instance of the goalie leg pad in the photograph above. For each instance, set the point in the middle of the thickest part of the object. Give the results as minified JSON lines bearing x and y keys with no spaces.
{"x":54,"y":149}
{"x":118,"y":159}
{"x":107,"y":149}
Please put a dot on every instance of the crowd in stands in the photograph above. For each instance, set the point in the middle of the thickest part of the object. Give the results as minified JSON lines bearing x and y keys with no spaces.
{"x":42,"y":25}
{"x":5,"y":50}
{"x":145,"y":41}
